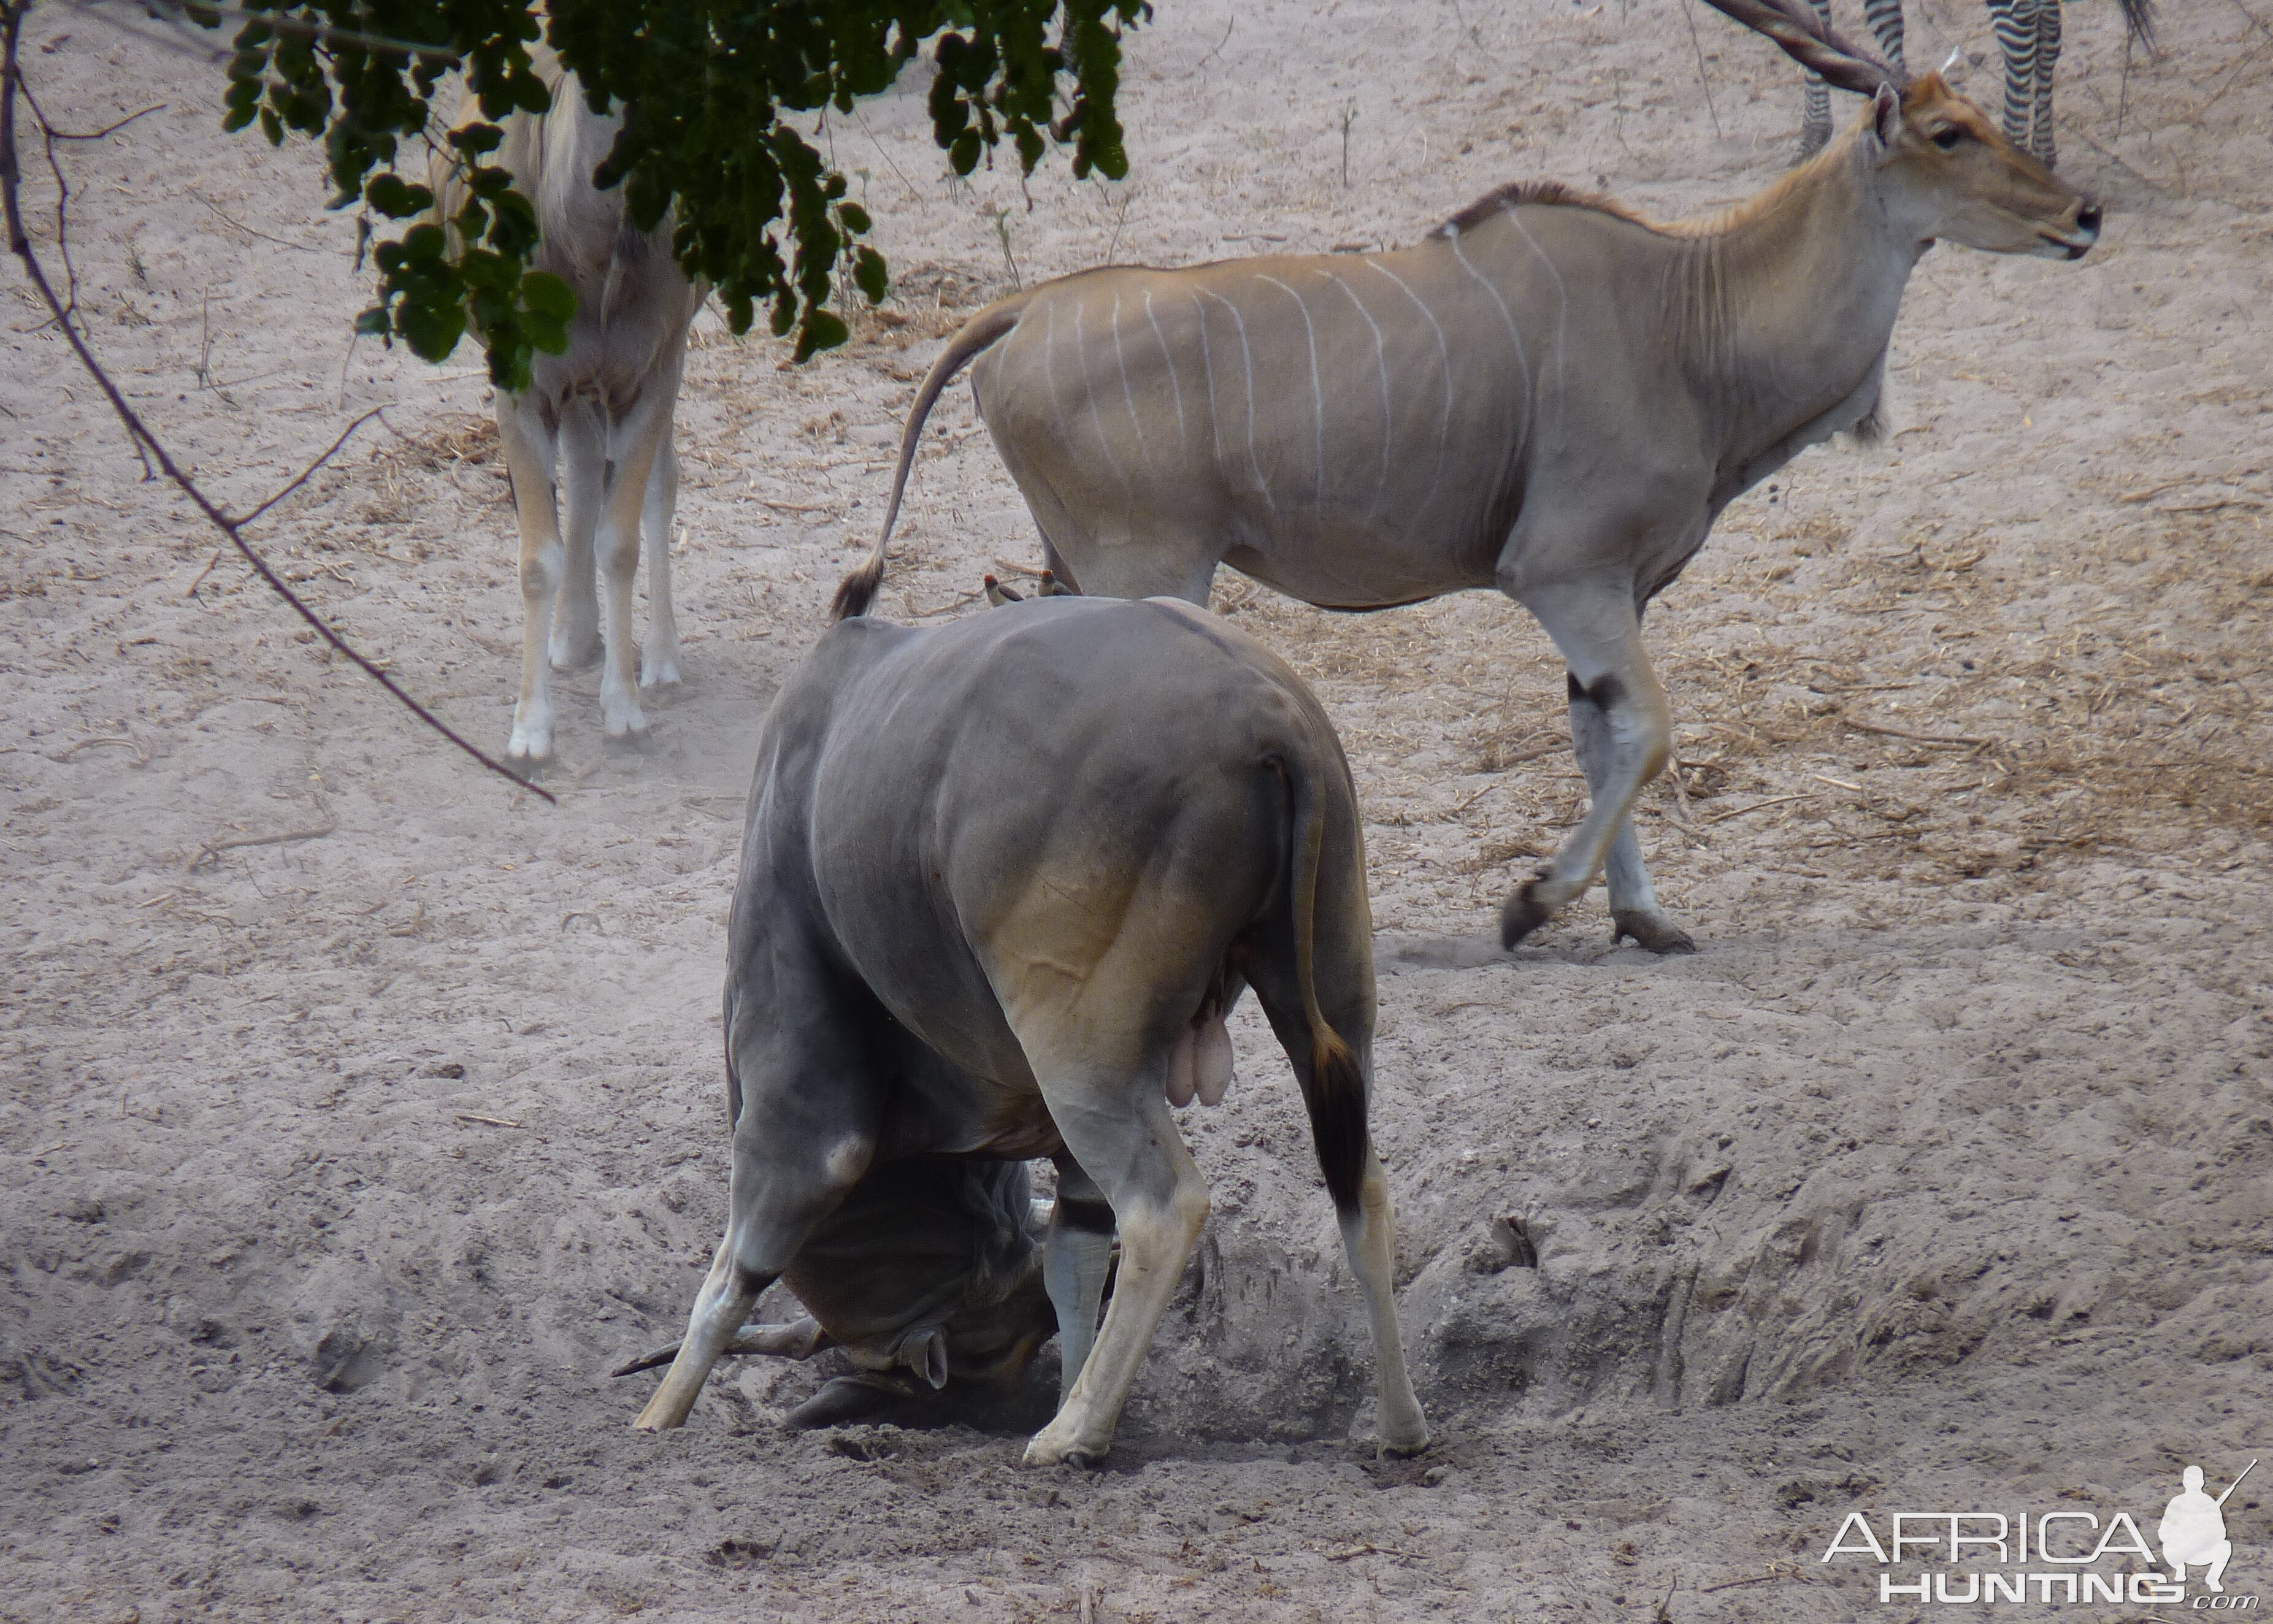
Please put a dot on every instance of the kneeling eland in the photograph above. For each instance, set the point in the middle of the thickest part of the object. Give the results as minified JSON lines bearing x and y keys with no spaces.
{"x":1001,"y":880}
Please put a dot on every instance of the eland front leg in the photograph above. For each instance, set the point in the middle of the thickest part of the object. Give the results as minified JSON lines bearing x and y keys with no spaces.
{"x":1635,"y":910}
{"x":1076,"y":1254}
{"x":1624,"y":736}
{"x":799,"y":1151}
{"x":633,"y":444}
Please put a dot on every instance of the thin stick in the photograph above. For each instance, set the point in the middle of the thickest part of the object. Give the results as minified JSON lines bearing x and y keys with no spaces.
{"x":1755,"y":806}
{"x":96,"y":135}
{"x":214,"y":848}
{"x":200,"y":580}
{"x":2123,"y":91}
{"x":1921,"y":739}
{"x":19,"y":243}
{"x":476,"y":1116}
{"x":1690,"y":15}
{"x":238,"y":225}
{"x":307,"y":472}
{"x":1732,"y":1584}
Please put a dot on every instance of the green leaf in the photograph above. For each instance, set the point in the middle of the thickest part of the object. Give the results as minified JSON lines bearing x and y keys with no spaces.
{"x":822,"y":330}
{"x":391,"y":197}
{"x":432,"y":331}
{"x":547,"y":334}
{"x":870,"y":275}
{"x":546,"y":295}
{"x":714,"y":95}
{"x":475,"y":139}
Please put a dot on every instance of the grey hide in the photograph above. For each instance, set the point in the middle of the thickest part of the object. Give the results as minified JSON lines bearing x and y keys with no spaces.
{"x":998,"y":879}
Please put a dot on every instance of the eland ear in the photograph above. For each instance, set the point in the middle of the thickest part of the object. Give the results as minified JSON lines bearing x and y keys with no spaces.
{"x":1885,"y":117}
{"x":925,"y":1355}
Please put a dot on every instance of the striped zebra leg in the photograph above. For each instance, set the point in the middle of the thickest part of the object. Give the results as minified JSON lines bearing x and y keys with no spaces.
{"x":2014,"y":22}
{"x":1815,"y":124}
{"x":2048,"y":48}
{"x":1886,"y":20}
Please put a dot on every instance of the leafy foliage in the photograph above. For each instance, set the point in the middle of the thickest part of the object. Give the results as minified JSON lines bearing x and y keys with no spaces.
{"x":707,"y":89}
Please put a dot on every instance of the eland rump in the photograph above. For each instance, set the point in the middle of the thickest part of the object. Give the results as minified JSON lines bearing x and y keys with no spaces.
{"x":1000,"y":882}
{"x":1549,"y":395}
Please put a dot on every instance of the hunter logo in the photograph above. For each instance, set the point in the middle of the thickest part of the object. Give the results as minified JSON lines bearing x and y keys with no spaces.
{"x":1961,"y":1557}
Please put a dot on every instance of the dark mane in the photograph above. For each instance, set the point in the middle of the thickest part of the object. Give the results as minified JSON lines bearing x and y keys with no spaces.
{"x":1539,"y":191}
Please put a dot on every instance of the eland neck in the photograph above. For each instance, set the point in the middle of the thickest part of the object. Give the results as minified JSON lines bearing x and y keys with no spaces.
{"x":1785,"y":306}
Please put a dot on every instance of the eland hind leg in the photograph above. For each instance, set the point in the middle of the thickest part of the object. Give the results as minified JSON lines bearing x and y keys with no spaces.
{"x":1335,"y":1075}
{"x":634,"y":442}
{"x":659,"y":655}
{"x":1114,"y":1120}
{"x":1594,"y":623}
{"x":583,"y":493}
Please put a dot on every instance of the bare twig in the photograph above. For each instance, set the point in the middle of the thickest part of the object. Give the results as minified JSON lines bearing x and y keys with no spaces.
{"x":62,"y":197}
{"x":191,"y":591}
{"x":1921,"y":739}
{"x":1755,"y":806}
{"x":1699,"y":46}
{"x":476,"y":1116}
{"x":19,"y":243}
{"x":110,"y":129}
{"x":235,"y":224}
{"x":305,"y":473}
{"x":1731,"y":1584}
{"x":214,"y":848}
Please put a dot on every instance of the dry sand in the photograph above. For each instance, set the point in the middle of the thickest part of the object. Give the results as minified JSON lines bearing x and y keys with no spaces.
{"x":338,"y":1172}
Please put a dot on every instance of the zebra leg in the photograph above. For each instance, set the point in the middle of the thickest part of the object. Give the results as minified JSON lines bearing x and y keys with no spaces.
{"x":2048,"y":48}
{"x":1886,"y":20}
{"x":1815,"y":122}
{"x":2014,"y":22}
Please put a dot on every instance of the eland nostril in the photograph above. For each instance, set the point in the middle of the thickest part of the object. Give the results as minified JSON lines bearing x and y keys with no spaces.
{"x":2087,"y":219}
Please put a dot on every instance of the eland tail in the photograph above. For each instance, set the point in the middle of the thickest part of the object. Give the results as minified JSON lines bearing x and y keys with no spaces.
{"x":857,"y":590}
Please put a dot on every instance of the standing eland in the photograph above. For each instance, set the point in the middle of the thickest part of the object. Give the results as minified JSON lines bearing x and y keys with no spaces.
{"x":592,"y":433}
{"x":1549,"y":395}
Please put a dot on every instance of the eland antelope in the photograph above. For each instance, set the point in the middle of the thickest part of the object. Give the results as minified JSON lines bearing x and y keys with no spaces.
{"x":592,"y":434}
{"x":1002,"y":881}
{"x":2029,"y":37}
{"x":1549,"y":395}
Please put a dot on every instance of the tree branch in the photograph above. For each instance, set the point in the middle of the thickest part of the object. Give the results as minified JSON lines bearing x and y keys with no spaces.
{"x":20,"y":244}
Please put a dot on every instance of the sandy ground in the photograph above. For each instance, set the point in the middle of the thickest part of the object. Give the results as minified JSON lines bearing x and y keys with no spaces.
{"x":339,"y":1171}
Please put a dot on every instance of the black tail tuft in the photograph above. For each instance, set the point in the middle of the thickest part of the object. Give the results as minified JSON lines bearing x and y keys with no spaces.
{"x":1335,"y":1093}
{"x":857,"y":591}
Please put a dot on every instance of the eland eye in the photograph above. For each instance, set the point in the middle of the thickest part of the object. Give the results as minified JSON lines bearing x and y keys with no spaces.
{"x":1947,"y":137}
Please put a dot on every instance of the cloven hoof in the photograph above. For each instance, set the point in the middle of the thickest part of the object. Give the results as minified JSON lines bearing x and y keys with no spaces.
{"x":1656,"y":935}
{"x":1521,"y":914}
